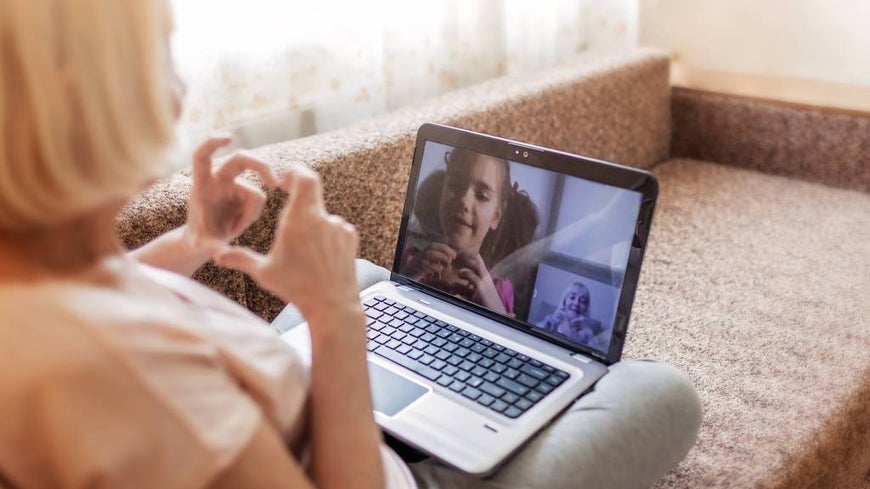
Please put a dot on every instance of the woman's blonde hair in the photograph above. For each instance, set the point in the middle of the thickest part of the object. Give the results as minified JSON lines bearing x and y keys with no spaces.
{"x":86,"y":110}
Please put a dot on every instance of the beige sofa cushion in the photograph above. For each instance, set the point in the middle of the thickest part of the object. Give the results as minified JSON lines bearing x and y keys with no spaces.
{"x":757,"y":287}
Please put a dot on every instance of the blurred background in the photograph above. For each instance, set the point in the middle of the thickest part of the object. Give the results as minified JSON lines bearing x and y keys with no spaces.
{"x":273,"y":70}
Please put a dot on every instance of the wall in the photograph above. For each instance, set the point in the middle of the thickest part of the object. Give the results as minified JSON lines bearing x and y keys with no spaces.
{"x":826,"y":40}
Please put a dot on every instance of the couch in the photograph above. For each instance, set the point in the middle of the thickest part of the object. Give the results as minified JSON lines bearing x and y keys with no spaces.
{"x":757,"y":273}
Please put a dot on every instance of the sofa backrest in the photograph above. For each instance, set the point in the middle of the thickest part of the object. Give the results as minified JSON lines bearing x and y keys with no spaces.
{"x":610,"y":106}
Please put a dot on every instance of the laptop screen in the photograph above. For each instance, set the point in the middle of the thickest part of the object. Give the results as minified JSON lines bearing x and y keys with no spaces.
{"x":541,"y":247}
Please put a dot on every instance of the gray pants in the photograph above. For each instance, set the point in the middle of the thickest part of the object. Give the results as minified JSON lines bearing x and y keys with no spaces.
{"x":640,"y":420}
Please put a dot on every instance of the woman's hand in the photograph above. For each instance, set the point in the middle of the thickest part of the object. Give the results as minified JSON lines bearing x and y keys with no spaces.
{"x":481,"y":284}
{"x":221,"y":205}
{"x":311,"y":263}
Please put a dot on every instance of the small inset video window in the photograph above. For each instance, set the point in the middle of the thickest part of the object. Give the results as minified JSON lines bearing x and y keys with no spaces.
{"x":577,"y":307}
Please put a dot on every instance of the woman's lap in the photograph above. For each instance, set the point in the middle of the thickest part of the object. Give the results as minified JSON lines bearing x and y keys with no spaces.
{"x":640,"y":420}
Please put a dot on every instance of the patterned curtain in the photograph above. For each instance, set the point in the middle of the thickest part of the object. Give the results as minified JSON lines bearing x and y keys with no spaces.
{"x":273,"y":70}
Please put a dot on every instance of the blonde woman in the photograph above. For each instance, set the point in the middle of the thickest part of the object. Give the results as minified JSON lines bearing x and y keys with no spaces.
{"x":118,"y":371}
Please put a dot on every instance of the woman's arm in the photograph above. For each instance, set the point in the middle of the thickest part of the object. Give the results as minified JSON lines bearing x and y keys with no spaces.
{"x":220,"y":208}
{"x":319,"y":249}
{"x":175,"y":251}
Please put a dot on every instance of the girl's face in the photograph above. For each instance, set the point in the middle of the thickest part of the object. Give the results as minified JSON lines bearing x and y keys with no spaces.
{"x":470,"y":202}
{"x":576,"y":301}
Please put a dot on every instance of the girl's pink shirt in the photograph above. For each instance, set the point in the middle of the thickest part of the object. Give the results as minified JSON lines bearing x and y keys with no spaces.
{"x":130,"y":376}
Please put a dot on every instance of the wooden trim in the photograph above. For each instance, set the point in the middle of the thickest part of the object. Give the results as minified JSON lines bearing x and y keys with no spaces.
{"x":802,"y":93}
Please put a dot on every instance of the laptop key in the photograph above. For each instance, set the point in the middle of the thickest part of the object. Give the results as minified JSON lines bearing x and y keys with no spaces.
{"x":438,"y":364}
{"x":534,"y":372}
{"x":478,"y":371}
{"x":471,"y":393}
{"x":486,"y":363}
{"x":512,"y":386}
{"x":401,"y":315}
{"x":393,"y":344}
{"x":544,"y":388}
{"x":523,"y":404}
{"x":426,"y":359}
{"x":473,"y":357}
{"x":408,"y":363}
{"x":527,"y":380}
{"x":462,"y":352}
{"x":373,"y":313}
{"x":509,"y":398}
{"x":555,"y":381}
{"x":514,"y":363}
{"x":511,"y":373}
{"x":415,"y":354}
{"x":406,"y":328}
{"x":498,"y":368}
{"x":390,"y":311}
{"x":403,"y":349}
{"x":457,"y":386}
{"x":498,"y":406}
{"x":450,"y":347}
{"x":442,"y":355}
{"x":534,"y":396}
{"x":409,"y":340}
{"x":454,"y":360}
{"x":512,"y":412}
{"x":474,"y":381}
{"x":502,"y":358}
{"x":492,"y":389}
{"x":449,"y":370}
{"x":445,"y":380}
{"x":466,"y":365}
{"x":485,"y":400}
{"x":461,"y":376}
{"x":490,"y":377}
{"x":562,"y":374}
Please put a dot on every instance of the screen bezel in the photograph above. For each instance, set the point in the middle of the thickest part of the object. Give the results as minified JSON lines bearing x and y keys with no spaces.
{"x":590,"y":169}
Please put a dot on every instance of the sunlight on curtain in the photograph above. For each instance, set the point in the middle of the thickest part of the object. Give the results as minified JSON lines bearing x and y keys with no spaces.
{"x":272,"y":70}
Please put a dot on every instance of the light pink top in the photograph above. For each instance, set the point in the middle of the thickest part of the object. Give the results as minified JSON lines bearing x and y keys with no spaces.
{"x":130,"y":376}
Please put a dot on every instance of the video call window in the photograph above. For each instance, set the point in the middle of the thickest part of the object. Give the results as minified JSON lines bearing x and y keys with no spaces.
{"x":544,"y":248}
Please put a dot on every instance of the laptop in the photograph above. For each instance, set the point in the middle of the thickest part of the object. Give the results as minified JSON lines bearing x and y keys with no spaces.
{"x":510,"y":293}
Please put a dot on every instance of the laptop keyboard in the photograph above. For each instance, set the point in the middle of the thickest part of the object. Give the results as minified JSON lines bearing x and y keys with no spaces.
{"x":485,"y":372}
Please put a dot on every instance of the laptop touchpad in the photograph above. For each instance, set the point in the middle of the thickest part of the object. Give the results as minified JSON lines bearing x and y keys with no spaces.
{"x":391,"y":392}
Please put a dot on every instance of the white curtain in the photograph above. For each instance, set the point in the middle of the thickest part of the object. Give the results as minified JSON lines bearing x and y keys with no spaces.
{"x":272,"y":70}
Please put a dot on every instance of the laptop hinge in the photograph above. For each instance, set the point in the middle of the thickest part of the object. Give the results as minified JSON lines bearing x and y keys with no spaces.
{"x":581,"y":357}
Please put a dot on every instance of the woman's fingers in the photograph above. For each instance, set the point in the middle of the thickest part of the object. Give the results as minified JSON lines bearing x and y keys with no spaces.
{"x":203,"y":154}
{"x":304,"y":191}
{"x":242,"y":161}
{"x":244,"y":260}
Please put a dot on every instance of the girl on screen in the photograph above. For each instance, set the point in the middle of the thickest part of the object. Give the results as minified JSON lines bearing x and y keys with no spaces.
{"x":479,"y":218}
{"x":572,"y":319}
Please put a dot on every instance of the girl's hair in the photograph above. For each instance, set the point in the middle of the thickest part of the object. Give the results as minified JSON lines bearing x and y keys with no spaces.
{"x":519,"y":214}
{"x":583,"y":290}
{"x":86,"y":110}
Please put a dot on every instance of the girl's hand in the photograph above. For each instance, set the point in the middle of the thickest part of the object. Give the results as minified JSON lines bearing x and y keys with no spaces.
{"x":221,"y":205}
{"x":481,"y":284}
{"x":430,"y":263}
{"x":311,"y":263}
